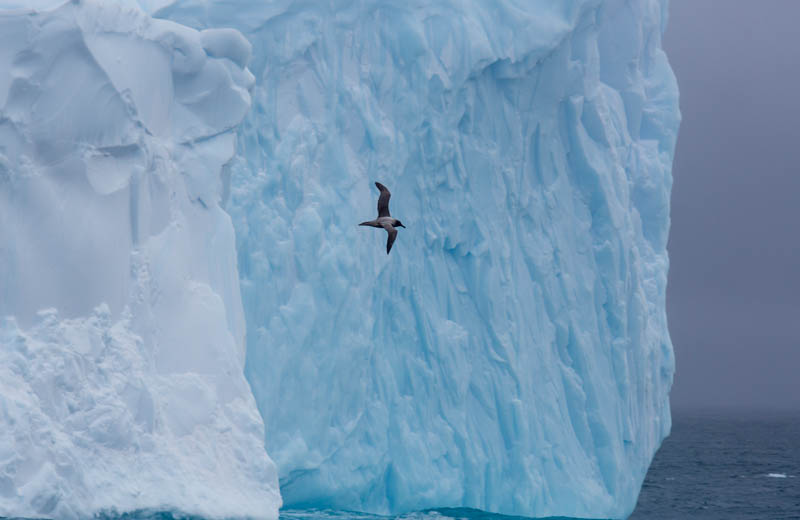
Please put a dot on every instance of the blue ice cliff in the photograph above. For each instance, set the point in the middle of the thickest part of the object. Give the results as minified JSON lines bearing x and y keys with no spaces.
{"x":512,"y":352}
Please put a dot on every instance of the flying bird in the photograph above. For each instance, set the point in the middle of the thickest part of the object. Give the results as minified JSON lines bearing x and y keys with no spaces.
{"x":385,"y":220}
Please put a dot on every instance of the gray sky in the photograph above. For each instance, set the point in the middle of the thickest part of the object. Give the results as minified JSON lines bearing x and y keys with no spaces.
{"x":734,"y":284}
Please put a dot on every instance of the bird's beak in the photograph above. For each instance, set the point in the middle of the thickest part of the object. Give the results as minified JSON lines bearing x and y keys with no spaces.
{"x":402,"y":226}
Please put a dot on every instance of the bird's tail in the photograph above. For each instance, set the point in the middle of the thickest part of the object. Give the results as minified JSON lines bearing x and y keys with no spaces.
{"x":369,"y":223}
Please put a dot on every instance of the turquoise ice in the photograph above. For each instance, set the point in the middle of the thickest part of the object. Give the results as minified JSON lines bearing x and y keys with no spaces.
{"x":512,"y":353}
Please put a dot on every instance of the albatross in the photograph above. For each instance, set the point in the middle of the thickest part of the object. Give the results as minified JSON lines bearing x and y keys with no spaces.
{"x":385,"y":220}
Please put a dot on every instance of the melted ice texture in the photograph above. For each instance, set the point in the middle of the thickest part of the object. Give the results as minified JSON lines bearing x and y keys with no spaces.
{"x":512,"y":352}
{"x":122,"y":345}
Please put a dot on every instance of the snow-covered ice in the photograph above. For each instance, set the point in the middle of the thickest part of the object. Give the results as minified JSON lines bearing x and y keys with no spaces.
{"x":122,"y":353}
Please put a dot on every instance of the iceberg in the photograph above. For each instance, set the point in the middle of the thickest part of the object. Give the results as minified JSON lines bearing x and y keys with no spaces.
{"x":122,"y":335}
{"x":184,"y":282}
{"x":512,"y":353}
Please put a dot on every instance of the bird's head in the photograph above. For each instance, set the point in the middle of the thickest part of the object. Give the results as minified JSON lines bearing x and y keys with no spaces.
{"x":397,"y":223}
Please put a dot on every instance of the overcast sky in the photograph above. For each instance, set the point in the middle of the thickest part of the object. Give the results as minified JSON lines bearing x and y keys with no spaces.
{"x":734,"y":284}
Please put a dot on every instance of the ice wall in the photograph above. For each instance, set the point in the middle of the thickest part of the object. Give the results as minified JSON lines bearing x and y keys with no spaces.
{"x":122,"y":346}
{"x":512,"y":352}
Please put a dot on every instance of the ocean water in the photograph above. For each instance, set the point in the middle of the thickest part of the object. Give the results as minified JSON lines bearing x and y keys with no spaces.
{"x":714,"y":465}
{"x":725,"y":465}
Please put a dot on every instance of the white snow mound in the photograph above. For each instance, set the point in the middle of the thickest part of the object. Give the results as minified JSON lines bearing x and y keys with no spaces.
{"x":122,"y":350}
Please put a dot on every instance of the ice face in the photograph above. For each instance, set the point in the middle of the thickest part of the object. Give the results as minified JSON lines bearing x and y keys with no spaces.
{"x":121,"y":359}
{"x":512,"y":352}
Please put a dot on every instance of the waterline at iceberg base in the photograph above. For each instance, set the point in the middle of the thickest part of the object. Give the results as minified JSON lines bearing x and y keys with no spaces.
{"x":460,"y":513}
{"x":511,"y":354}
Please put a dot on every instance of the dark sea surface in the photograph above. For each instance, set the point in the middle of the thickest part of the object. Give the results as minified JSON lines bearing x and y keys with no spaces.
{"x":725,"y":465}
{"x":714,"y":465}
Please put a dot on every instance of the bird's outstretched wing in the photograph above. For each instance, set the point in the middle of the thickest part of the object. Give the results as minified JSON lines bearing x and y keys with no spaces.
{"x":392,"y":235}
{"x":383,"y":201}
